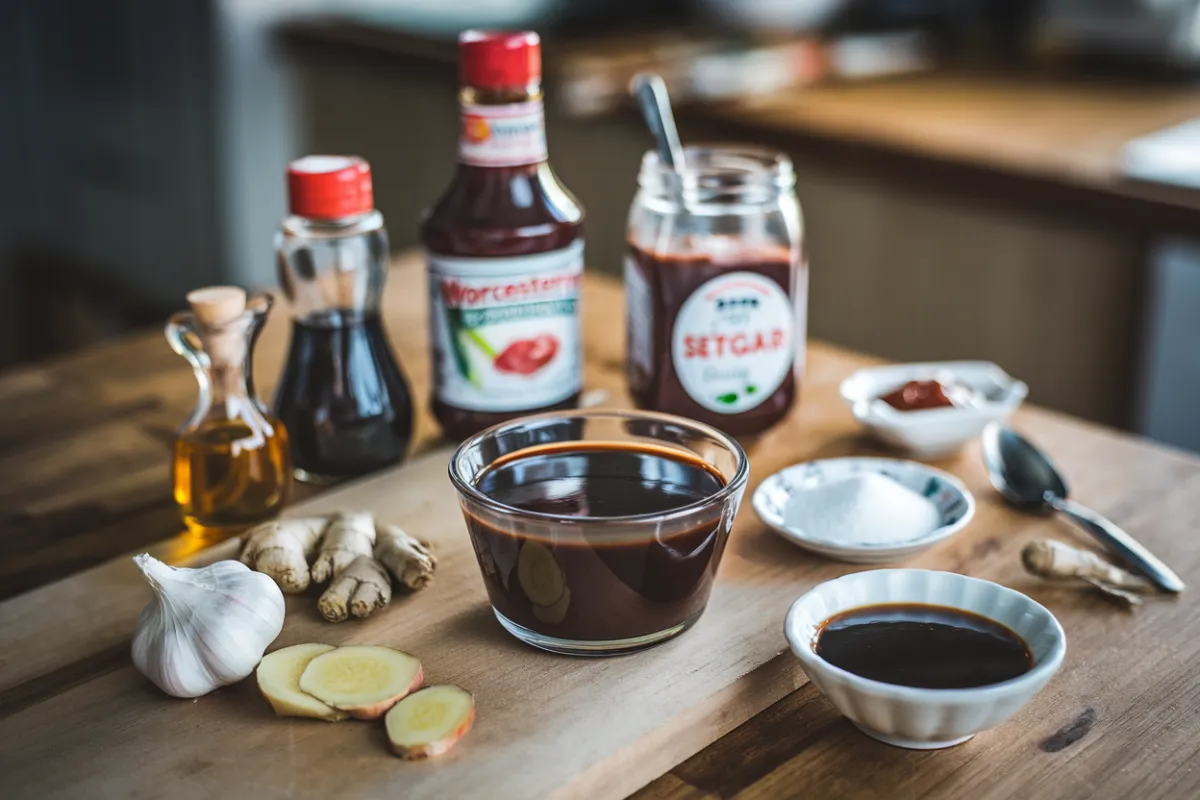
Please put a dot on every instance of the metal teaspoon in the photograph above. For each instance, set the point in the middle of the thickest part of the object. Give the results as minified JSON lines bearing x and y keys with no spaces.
{"x":651,"y":94}
{"x":1027,"y":480}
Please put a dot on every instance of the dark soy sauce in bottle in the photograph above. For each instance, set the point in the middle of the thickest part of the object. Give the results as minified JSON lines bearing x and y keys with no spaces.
{"x":343,"y":396}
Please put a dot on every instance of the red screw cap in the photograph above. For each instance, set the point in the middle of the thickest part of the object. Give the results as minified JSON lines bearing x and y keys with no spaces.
{"x":498,"y":59}
{"x":329,"y":187}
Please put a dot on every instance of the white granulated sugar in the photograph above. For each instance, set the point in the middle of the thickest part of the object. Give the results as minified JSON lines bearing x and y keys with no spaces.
{"x":860,"y":509}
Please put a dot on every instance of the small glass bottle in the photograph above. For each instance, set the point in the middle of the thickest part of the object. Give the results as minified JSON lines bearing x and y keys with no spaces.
{"x":716,"y":288}
{"x":231,"y":463}
{"x":504,"y":246}
{"x":342,"y":396}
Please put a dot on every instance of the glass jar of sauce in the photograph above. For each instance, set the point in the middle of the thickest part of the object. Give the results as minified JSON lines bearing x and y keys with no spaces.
{"x":716,"y":288}
{"x":504,"y":248}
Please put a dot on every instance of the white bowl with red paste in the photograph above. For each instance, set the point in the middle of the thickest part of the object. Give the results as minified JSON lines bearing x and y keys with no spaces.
{"x":914,"y":716}
{"x":965,"y":396}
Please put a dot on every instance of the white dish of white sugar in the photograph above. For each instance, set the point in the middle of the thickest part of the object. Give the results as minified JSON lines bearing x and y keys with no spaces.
{"x":864,"y":510}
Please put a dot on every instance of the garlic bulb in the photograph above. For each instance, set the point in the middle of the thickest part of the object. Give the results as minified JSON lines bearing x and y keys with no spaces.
{"x":205,"y":627}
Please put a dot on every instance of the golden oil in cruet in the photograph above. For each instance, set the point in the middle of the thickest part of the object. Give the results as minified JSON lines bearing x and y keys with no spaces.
{"x":232,"y":468}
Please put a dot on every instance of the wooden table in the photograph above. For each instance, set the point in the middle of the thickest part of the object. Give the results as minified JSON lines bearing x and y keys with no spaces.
{"x":84,"y":464}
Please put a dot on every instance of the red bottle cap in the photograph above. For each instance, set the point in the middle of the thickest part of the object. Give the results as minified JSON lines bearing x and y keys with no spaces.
{"x":498,"y":59}
{"x":329,"y":187}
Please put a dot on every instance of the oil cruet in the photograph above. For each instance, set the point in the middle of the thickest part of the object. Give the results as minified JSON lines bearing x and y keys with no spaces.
{"x":232,"y":467}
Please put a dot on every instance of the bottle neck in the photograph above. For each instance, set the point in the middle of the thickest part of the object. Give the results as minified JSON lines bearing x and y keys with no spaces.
{"x":502,"y":127}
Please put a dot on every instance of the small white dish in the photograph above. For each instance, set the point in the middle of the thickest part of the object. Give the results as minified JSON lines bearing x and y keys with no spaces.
{"x":932,"y":432}
{"x":954,"y":503}
{"x":924,"y":719}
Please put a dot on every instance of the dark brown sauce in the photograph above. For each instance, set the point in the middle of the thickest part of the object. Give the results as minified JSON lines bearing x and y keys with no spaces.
{"x":925,"y":646}
{"x":592,"y":588}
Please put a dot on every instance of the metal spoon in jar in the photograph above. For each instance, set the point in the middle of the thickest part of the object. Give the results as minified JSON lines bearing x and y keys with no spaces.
{"x":1027,"y":480}
{"x":651,"y":94}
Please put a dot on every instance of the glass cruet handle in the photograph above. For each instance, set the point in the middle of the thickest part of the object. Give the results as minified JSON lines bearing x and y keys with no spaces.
{"x":260,"y":303}
{"x":181,"y":334}
{"x":184,"y":339}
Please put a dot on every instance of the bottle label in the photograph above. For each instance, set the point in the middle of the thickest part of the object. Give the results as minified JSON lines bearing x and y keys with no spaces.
{"x":502,"y":136}
{"x":734,"y":341}
{"x":505,"y":331}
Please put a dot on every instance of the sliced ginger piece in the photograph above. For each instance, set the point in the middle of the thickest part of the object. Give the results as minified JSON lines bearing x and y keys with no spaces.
{"x":279,"y":681}
{"x":430,"y":722}
{"x":555,"y":612}
{"x":362,"y":680}
{"x":539,"y":574}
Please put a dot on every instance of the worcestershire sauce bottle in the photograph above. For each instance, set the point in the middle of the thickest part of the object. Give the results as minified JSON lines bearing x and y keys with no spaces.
{"x":504,"y":248}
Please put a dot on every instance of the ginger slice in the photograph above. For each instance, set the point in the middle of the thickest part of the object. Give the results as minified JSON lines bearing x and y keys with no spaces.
{"x":539,"y":574}
{"x":350,"y":534}
{"x":430,"y":722}
{"x":279,"y":681}
{"x":362,"y":680}
{"x":555,"y":612}
{"x":361,"y":588}
{"x":410,"y":560}
{"x":281,"y":549}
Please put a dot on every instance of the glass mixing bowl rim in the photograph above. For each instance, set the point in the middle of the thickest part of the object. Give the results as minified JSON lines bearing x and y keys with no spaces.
{"x":732,"y":487}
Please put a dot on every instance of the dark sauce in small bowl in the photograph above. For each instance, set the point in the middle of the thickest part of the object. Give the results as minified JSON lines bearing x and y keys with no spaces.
{"x":923,"y":646}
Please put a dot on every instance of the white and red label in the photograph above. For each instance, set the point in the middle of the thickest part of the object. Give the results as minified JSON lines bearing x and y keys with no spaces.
{"x":505,"y":331}
{"x":502,"y":136}
{"x":734,"y":341}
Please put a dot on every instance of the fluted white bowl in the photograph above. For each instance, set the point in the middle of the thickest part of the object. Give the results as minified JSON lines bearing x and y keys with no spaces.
{"x":924,"y":719}
{"x":935,"y":432}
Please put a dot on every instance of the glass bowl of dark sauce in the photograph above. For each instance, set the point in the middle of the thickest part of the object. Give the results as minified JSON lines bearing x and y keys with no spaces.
{"x":924,"y":659}
{"x":599,"y":532}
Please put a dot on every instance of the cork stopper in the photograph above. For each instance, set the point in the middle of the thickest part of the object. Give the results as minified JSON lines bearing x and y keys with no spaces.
{"x":217,"y":305}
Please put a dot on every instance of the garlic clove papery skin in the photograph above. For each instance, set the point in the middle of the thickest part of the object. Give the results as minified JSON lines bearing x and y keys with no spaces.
{"x":205,"y":627}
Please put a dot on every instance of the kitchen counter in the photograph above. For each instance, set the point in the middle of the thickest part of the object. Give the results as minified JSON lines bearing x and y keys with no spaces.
{"x":1065,"y":130}
{"x":84,"y":471}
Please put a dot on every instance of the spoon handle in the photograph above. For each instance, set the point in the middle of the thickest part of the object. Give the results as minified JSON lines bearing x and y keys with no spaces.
{"x":651,"y":94}
{"x":1120,"y":543}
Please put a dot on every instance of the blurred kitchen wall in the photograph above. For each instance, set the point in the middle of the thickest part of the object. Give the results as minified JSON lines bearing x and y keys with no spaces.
{"x":144,"y":144}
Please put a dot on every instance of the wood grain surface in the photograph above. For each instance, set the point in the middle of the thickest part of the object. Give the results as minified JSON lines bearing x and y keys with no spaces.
{"x":719,"y":712}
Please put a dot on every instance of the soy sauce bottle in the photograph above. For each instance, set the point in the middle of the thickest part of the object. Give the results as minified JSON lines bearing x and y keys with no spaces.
{"x":343,"y":397}
{"x":504,"y":249}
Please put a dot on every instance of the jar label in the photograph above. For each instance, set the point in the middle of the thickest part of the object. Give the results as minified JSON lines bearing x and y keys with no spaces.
{"x":639,"y":316}
{"x":505,"y":331}
{"x":502,"y":136}
{"x":734,"y":341}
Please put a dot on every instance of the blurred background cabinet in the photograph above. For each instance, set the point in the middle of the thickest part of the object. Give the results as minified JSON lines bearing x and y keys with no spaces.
{"x":964,"y":212}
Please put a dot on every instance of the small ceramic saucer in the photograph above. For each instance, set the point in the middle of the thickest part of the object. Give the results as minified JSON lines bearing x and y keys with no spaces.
{"x":954,"y":504}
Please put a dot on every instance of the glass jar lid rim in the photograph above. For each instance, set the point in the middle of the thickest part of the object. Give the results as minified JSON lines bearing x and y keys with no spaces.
{"x":726,"y":162}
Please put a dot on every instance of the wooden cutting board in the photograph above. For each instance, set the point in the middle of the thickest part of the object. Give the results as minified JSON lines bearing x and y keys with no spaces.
{"x":76,"y":720}
{"x":547,"y":725}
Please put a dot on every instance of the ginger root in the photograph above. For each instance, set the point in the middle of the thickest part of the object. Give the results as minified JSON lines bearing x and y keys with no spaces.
{"x":350,"y":534}
{"x":410,"y":560}
{"x":359,"y":589}
{"x":350,"y":551}
{"x":281,"y":549}
{"x":1048,"y":558}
